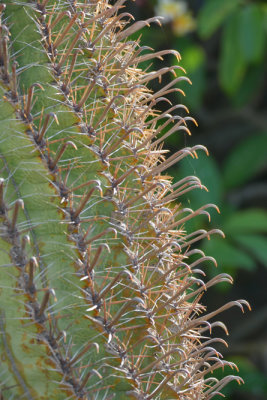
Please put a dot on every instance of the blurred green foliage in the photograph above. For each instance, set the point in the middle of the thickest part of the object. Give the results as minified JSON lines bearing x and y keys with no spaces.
{"x":223,"y":46}
{"x":256,"y":383}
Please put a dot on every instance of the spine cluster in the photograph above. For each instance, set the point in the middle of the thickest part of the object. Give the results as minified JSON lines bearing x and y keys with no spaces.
{"x":99,"y":283}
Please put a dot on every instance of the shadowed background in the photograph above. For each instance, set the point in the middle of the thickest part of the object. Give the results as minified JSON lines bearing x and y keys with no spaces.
{"x":223,"y":48}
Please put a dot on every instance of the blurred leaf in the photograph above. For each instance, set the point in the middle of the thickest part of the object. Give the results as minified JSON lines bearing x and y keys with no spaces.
{"x":252,"y":220}
{"x":250,"y":86}
{"x":245,"y":160}
{"x":206,"y":169}
{"x":228,"y":256}
{"x":193,"y":58}
{"x":232,"y":65}
{"x":194,"y":63}
{"x":212,"y":14}
{"x":255,"y":381}
{"x":264,"y":11}
{"x":256,"y":244}
{"x":252,"y":33}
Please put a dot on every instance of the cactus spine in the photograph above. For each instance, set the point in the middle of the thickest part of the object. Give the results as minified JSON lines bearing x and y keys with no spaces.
{"x":98,"y":296}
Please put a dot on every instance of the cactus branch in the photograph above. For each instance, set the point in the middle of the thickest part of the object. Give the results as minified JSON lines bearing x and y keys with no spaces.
{"x":79,"y":322}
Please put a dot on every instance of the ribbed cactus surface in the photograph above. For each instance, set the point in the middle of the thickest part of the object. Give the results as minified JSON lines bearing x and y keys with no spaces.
{"x":99,"y":295}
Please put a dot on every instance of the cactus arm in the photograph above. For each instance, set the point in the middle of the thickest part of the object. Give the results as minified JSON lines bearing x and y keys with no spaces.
{"x":77,"y":150}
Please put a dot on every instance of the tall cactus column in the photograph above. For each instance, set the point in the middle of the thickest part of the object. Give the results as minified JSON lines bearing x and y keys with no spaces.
{"x":99,"y":294}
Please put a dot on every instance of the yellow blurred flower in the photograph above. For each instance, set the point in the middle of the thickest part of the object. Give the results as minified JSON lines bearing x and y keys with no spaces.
{"x":177,"y":13}
{"x":184,"y":24}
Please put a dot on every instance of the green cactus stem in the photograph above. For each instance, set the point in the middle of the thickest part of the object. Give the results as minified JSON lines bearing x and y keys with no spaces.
{"x":99,"y":294}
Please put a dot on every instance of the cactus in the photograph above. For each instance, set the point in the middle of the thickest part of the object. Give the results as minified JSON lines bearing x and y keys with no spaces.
{"x":99,"y":293}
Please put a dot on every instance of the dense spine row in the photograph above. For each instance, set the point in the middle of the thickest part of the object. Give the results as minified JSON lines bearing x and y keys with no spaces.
{"x":96,"y":277}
